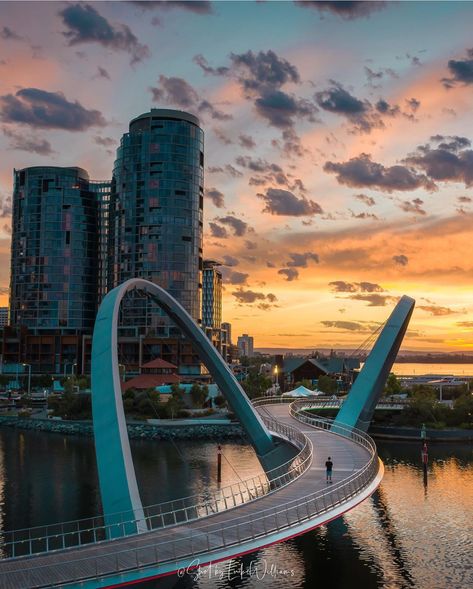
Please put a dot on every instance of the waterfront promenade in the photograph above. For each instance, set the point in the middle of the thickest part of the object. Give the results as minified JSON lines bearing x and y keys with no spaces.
{"x":273,"y":516}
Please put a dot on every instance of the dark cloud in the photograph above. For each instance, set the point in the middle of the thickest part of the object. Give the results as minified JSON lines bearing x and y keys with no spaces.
{"x":204,"y":65}
{"x":342,"y":286}
{"x":261,"y":76}
{"x":215,"y":196}
{"x":367,"y":200}
{"x":206,"y":107}
{"x":401,"y":260}
{"x":227,"y":169}
{"x":9,"y":35}
{"x":238,"y":226}
{"x":250,"y":245}
{"x":257,"y":165}
{"x":290,"y":274}
{"x":362,"y":172}
{"x":467,"y":324}
{"x":384,"y":108}
{"x":360,"y":113}
{"x":465,"y":199}
{"x":246,"y":141}
{"x":86,"y":25}
{"x":175,"y":90}
{"x":374,"y":300}
{"x":413,"y":206}
{"x":301,"y":260}
{"x":104,"y":141}
{"x":449,"y":161}
{"x":461,"y":71}
{"x":363,"y":215}
{"x":230,"y":260}
{"x":263,"y":70}
{"x":346,"y":9}
{"x":218,"y":231}
{"x":196,"y":6}
{"x":348,"y":325}
{"x":283,"y":202}
{"x":102,"y":73}
{"x":178,"y":92}
{"x":413,"y":104}
{"x":338,"y":100}
{"x":270,"y":265}
{"x":437,"y":310}
{"x":50,"y":110}
{"x":22,"y":142}
{"x":280,"y":109}
{"x":249,"y":297}
{"x":233,"y":277}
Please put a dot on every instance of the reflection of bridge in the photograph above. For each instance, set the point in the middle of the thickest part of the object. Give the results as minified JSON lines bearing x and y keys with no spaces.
{"x":131,"y":542}
{"x":237,"y":519}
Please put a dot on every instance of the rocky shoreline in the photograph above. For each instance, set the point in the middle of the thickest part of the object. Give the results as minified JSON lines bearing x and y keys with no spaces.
{"x":143,"y":431}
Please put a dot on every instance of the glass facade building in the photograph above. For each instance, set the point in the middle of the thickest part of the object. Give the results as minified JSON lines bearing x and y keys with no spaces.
{"x":212,"y":295}
{"x":156,"y":216}
{"x":54,"y":263}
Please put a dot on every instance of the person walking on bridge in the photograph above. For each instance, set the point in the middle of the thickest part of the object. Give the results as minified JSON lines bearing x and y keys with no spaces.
{"x":329,"y":467}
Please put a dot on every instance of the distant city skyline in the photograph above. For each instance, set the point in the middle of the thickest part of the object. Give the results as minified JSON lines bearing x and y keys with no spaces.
{"x":338,"y":158}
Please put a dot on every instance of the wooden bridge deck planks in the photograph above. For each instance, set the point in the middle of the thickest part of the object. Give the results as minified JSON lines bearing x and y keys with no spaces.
{"x":107,"y":557}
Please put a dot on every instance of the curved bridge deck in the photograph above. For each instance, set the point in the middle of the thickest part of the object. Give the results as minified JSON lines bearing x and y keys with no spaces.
{"x":305,"y":503}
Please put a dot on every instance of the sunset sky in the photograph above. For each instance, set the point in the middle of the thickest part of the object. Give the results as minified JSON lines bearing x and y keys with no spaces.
{"x":339,"y":162}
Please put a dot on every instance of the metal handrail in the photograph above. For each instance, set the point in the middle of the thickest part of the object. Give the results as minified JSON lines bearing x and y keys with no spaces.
{"x":43,"y":539}
{"x":199,"y":538}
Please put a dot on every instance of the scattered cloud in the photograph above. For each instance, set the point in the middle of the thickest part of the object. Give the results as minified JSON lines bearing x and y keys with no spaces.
{"x":283,"y":202}
{"x":24,"y":142}
{"x":195,"y":6}
{"x":374,"y":300}
{"x":290,"y":274}
{"x":216,"y":197}
{"x":246,"y":141}
{"x":301,"y":260}
{"x":350,"y":325}
{"x":86,"y":25}
{"x":461,"y":71}
{"x":401,"y":260}
{"x":49,"y":110}
{"x":362,"y":172}
{"x":250,"y":297}
{"x":178,"y":92}
{"x":343,"y":286}
{"x":238,"y":226}
{"x":413,"y":206}
{"x":367,"y":200}
{"x":232,"y":277}
{"x":218,"y":231}
{"x":348,"y":9}
{"x":437,"y":310}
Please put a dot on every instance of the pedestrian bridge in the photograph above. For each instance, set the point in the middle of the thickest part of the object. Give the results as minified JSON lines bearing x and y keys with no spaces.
{"x":284,"y":502}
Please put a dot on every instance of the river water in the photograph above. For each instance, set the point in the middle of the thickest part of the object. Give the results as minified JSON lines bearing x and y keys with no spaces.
{"x":407,"y":535}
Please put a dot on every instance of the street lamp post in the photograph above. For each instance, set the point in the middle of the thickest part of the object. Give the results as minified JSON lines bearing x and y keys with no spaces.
{"x":29,"y":378}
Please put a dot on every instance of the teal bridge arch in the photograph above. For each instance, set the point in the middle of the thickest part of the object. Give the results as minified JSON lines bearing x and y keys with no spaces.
{"x":118,"y":485}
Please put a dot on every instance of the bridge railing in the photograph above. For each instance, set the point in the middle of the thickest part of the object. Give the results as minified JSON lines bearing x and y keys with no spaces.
{"x":200,"y":539}
{"x":44,"y":539}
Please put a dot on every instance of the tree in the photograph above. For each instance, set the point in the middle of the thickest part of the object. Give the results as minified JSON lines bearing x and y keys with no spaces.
{"x":463,"y":410}
{"x":326,"y":384}
{"x":256,"y":384}
{"x":393,"y":386}
{"x":305,"y":382}
{"x":198,"y":395}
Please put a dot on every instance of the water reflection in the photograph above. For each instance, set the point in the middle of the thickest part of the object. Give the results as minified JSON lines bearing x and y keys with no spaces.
{"x":406,"y":535}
